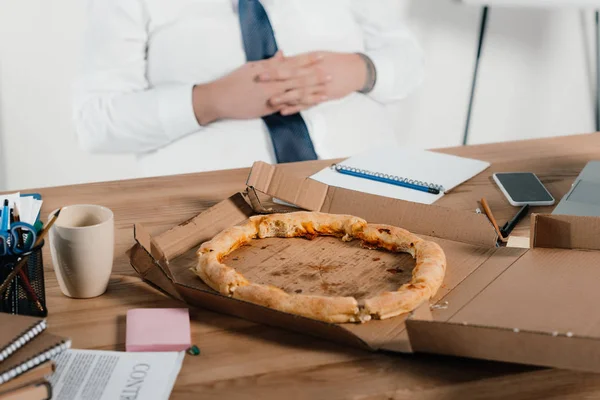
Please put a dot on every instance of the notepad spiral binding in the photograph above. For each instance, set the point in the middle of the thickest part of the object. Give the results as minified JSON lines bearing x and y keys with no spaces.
{"x":23,"y":339}
{"x":339,"y":167}
{"x":35,"y":361}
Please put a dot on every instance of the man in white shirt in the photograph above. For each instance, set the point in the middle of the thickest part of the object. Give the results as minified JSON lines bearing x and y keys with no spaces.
{"x":171,"y":82}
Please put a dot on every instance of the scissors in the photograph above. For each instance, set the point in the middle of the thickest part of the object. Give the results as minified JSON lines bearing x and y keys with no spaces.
{"x":17,"y":239}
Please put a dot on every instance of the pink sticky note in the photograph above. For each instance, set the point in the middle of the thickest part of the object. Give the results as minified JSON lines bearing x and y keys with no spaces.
{"x":158,"y":329}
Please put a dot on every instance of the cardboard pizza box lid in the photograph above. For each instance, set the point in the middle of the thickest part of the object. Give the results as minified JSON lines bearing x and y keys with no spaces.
{"x":540,"y":309}
{"x":429,"y":220}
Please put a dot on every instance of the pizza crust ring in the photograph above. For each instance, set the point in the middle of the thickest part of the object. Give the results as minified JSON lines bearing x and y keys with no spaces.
{"x":427,"y":276}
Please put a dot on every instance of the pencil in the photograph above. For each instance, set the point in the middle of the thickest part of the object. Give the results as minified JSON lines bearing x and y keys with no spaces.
{"x":21,"y":243}
{"x":488,"y":212}
{"x":30,"y":290}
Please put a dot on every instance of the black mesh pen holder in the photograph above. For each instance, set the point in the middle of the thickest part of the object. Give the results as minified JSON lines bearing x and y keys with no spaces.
{"x":25,"y":293}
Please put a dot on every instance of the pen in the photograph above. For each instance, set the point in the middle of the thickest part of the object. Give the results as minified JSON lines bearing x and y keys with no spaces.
{"x":510,"y":225}
{"x":385,"y":179}
{"x":12,"y":221}
{"x":4,"y":225}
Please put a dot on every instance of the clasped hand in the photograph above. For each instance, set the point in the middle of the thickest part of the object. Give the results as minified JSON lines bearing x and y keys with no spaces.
{"x":285,"y":84}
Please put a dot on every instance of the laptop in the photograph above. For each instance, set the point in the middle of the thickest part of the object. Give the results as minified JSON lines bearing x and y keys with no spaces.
{"x":584,"y":197}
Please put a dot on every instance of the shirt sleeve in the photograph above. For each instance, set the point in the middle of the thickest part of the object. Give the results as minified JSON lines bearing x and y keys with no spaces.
{"x":391,"y":46}
{"x":115,"y":108}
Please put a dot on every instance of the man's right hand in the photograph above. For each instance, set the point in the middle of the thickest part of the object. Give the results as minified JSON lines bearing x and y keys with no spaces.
{"x":242,"y":95}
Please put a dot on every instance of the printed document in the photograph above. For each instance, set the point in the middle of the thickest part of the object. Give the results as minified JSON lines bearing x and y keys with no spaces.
{"x":112,"y":375}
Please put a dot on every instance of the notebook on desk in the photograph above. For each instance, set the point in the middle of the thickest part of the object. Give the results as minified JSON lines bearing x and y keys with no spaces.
{"x":16,"y":331}
{"x":432,"y":169}
{"x":25,"y":344}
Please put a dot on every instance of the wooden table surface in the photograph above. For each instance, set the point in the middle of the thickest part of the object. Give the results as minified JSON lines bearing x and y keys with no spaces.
{"x":241,"y":359}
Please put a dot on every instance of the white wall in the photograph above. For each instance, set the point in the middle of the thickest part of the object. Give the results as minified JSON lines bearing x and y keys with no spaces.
{"x":2,"y":161}
{"x":535,"y":81}
{"x":534,"y":76}
{"x":39,"y":48}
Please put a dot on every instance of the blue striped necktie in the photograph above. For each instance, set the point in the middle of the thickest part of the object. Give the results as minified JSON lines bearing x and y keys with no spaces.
{"x":289,"y":133}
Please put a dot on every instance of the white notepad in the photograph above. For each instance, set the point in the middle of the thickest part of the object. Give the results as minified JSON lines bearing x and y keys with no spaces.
{"x":419,"y":165}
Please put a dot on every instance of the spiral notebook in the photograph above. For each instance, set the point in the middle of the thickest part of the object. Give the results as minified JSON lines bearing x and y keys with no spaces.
{"x":16,"y":331}
{"x":431,"y":169}
{"x":41,"y":348}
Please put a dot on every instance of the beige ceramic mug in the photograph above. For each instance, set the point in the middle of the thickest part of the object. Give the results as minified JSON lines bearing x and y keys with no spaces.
{"x":82,"y":243}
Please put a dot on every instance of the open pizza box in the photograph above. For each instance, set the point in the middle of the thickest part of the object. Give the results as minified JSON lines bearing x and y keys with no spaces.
{"x":536,"y":306}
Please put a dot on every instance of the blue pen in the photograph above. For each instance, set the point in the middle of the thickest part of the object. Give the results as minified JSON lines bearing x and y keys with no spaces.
{"x":5,"y":217}
{"x":5,"y":239}
{"x":391,"y":179}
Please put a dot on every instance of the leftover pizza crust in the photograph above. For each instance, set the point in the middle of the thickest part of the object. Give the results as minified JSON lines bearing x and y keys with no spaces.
{"x":427,"y":276}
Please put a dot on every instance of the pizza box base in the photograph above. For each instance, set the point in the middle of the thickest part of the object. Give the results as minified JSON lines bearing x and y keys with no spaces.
{"x":533,"y":306}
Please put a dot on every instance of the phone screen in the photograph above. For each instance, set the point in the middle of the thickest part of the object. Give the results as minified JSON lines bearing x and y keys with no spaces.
{"x":524,"y":187}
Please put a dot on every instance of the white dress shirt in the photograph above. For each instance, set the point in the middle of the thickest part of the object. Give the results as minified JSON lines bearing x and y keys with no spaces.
{"x":143,"y":57}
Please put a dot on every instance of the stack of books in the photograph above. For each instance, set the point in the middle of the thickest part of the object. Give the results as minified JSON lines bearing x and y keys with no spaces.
{"x":26,"y":353}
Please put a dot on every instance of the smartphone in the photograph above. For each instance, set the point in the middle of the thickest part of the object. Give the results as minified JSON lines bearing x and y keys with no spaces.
{"x":521,"y":188}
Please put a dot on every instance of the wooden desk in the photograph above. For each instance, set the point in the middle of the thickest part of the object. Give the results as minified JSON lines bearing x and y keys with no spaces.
{"x":241,"y":359}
